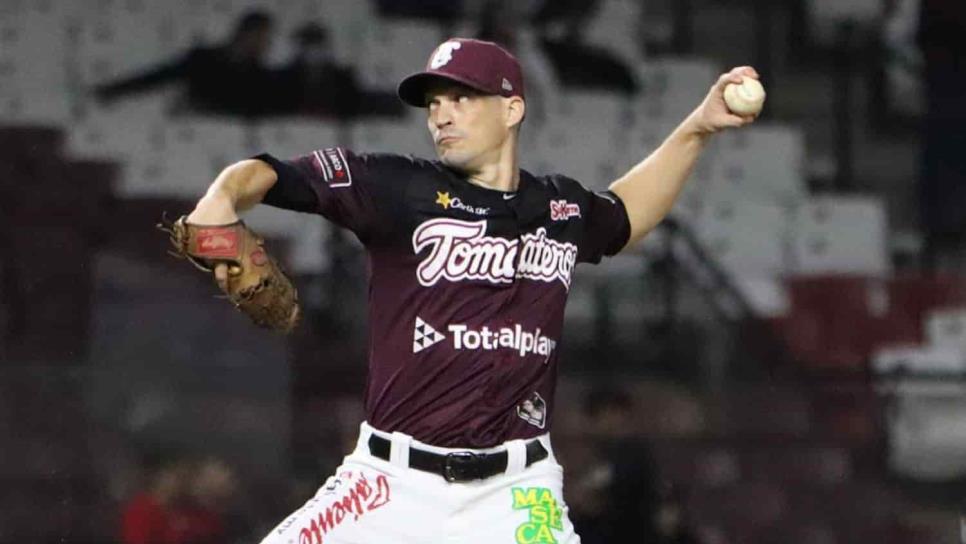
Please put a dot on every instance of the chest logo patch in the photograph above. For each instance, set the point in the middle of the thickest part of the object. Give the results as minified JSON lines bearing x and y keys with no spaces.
{"x":561,"y":210}
{"x":424,"y":336}
{"x":447,"y":202}
{"x":460,"y":250}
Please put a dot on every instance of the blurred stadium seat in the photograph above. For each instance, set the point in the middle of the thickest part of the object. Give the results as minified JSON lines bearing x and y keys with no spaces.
{"x":34,"y":66}
{"x":617,"y":18}
{"x":588,"y":155}
{"x":117,"y":44}
{"x":761,"y":162}
{"x":846,"y":235}
{"x":946,"y":327}
{"x":674,"y":86}
{"x":289,"y":138}
{"x":409,"y":136}
{"x":394,"y":49}
{"x":746,"y":237}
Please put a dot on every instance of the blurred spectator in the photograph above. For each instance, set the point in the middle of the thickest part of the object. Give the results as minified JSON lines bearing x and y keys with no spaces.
{"x":149,"y":516}
{"x":671,"y":522}
{"x":225,"y":79}
{"x":623,"y":480}
{"x":942,"y":36}
{"x":500,"y":21}
{"x":577,"y":63}
{"x":201,"y":518}
{"x":313,"y":83}
{"x":440,"y":10}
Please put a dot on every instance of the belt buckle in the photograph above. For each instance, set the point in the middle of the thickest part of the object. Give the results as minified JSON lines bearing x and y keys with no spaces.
{"x":461,"y":466}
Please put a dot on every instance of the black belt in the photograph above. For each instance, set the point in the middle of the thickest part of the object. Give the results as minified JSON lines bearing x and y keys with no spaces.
{"x":459,"y":466}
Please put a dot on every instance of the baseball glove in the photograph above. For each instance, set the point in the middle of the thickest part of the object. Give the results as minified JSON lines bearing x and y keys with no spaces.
{"x":256,"y":284}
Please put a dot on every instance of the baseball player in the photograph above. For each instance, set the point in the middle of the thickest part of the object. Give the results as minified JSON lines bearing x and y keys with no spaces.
{"x":470,"y":262}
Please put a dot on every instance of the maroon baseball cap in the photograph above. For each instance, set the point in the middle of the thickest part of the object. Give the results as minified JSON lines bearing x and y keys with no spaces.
{"x":484,"y":66}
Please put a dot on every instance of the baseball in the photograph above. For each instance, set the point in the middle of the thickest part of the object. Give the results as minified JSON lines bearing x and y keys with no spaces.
{"x":745,"y":99}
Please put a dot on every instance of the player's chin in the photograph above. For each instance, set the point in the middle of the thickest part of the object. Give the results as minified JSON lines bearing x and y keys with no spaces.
{"x":453,"y":158}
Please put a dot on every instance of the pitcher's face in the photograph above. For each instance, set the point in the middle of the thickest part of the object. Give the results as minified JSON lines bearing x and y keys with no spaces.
{"x":468,"y":128}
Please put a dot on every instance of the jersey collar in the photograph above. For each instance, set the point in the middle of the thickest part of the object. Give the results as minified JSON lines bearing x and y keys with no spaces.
{"x":529,"y":203}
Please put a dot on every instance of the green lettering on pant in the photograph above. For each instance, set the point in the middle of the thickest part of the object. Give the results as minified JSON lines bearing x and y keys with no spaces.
{"x":544,"y":515}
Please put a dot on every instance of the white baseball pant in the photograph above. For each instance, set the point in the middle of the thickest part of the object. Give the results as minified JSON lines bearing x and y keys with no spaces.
{"x":370,"y":501}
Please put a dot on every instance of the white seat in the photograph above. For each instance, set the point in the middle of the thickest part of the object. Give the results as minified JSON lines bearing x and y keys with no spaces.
{"x":393,"y":50}
{"x":613,"y":25}
{"x":674,"y":86}
{"x":309,"y":252}
{"x":116,"y":137}
{"x":919,"y":359}
{"x":275,"y":222}
{"x":645,"y":136}
{"x":591,"y":154}
{"x":927,"y":433}
{"x":600,"y":108}
{"x":221,"y":140}
{"x":838,"y":234}
{"x":50,"y":107}
{"x":121,"y":44}
{"x":290,"y":138}
{"x":409,"y":136}
{"x":946,"y":328}
{"x":746,"y":237}
{"x":762,"y":161}
{"x":348,"y":23}
{"x":767,"y":296}
{"x":156,"y":175}
{"x":33,"y":68}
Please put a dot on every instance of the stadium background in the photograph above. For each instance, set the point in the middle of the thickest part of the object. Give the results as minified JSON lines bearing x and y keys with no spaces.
{"x":780,"y":362}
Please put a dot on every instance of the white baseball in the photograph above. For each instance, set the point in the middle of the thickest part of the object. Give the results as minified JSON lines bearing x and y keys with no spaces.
{"x":745,"y":99}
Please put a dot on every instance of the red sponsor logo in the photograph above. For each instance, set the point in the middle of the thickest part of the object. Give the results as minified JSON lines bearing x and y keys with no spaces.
{"x":561,"y":210}
{"x":333,"y":166}
{"x":361,"y":497}
{"x":217,"y":243}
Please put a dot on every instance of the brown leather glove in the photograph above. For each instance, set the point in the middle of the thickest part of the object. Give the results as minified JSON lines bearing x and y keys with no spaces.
{"x":256,"y":284}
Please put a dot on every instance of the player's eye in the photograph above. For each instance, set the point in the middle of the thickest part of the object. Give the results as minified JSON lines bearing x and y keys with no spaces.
{"x":464,"y":98}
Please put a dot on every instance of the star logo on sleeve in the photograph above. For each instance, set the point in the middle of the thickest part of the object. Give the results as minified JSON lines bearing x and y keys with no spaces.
{"x":425,"y":336}
{"x":443,"y":199}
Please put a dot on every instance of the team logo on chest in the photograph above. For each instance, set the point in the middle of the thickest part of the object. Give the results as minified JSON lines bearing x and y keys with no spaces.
{"x":561,"y":210}
{"x":460,"y":250}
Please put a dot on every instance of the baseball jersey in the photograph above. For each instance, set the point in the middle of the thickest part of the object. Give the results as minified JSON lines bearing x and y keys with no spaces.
{"x":467,"y":285}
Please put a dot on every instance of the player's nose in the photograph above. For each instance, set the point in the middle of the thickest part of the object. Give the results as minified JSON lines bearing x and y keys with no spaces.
{"x":442,"y":116}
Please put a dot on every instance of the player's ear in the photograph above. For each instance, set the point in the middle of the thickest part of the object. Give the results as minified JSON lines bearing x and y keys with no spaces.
{"x":515,"y":109}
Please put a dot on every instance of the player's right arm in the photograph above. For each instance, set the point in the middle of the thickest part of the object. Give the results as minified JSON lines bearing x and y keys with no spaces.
{"x":237,"y":188}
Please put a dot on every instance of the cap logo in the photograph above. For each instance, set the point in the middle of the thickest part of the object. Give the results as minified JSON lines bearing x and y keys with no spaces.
{"x":506,"y":85}
{"x":444,"y":54}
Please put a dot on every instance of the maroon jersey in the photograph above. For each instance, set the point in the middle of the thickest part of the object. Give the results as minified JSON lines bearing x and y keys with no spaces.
{"x":467,"y":286}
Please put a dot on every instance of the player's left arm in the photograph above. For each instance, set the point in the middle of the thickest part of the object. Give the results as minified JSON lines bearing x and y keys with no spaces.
{"x":650,"y":188}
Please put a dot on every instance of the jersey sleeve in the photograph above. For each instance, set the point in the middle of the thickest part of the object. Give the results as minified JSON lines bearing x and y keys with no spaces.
{"x":351,"y":190}
{"x":605,"y":225}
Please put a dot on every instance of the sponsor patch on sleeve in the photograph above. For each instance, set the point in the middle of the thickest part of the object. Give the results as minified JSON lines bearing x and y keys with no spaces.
{"x":333,"y":166}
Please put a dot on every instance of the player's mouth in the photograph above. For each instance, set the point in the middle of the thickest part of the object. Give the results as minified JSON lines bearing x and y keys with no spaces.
{"x":446,"y":139}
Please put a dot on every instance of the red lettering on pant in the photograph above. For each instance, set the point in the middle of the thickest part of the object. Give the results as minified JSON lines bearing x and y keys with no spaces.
{"x":355,"y":502}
